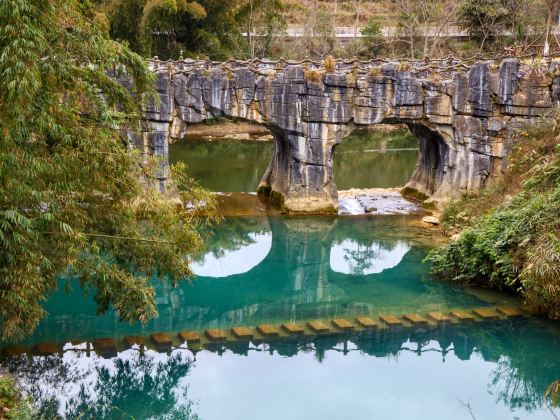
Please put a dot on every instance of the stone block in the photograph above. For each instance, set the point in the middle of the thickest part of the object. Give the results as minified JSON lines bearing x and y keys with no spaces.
{"x":509,"y":311}
{"x":15,"y":350}
{"x":439,"y":316}
{"x":161,"y":339}
{"x":462,"y":315}
{"x":44,"y":349}
{"x":415,"y":319}
{"x":189,"y":337}
{"x":342,"y":324}
{"x":104,"y":345}
{"x":366,"y":322}
{"x":390,"y":320}
{"x":268,"y":330}
{"x":242,"y":333}
{"x":486,"y":313}
{"x":215,"y":334}
{"x":292,"y":328}
{"x":131,"y":340}
{"x":318,"y":326}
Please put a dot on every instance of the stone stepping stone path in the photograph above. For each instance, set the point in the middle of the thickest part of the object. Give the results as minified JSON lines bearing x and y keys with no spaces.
{"x":390,"y":320}
{"x":292,"y":328}
{"x":439,"y":317}
{"x":366,"y":322}
{"x":131,"y":340}
{"x":318,"y":326}
{"x":105,"y":345}
{"x":510,"y":311}
{"x":242,"y":332}
{"x":215,"y":334}
{"x":161,"y":339}
{"x":462,"y":315}
{"x":342,"y":324}
{"x":268,"y":330}
{"x":486,"y":313}
{"x":415,"y":319}
{"x":195,"y":342}
{"x":189,"y":337}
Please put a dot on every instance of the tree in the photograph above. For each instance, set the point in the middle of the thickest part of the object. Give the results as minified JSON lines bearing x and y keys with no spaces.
{"x":372,"y":37}
{"x":261,"y":21}
{"x":72,"y":202}
{"x":484,"y":19}
{"x":552,"y":7}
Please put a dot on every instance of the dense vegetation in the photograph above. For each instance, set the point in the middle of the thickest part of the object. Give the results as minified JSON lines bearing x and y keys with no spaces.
{"x":258,"y":28}
{"x":72,"y":201}
{"x":510,"y":237}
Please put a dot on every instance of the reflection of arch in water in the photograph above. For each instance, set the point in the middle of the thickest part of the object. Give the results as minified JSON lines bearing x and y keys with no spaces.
{"x":235,"y":251}
{"x":293,"y":282}
{"x":351,"y":257}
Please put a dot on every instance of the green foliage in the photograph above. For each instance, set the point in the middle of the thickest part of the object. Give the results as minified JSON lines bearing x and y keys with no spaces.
{"x":165,"y":27}
{"x":72,"y":201}
{"x":511,"y":236}
{"x":12,"y":403}
{"x":553,"y":393}
{"x":372,"y":37}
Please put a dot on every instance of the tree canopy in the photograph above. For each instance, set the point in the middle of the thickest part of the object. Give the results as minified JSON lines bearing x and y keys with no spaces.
{"x":72,"y":201}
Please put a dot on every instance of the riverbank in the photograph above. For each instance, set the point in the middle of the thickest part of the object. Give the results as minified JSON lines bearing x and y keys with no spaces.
{"x":508,"y":238}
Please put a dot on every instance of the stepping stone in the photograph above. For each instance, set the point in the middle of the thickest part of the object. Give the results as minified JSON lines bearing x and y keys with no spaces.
{"x":46,"y":348}
{"x":292,"y":328}
{"x":486,"y":313}
{"x":529,"y":309}
{"x":189,"y":337}
{"x":439,"y":316}
{"x":15,"y":350}
{"x":342,"y":324}
{"x":242,"y":332}
{"x":462,"y":315}
{"x":415,"y":319}
{"x":161,"y":339}
{"x":268,"y":330}
{"x":510,"y":311}
{"x":366,"y":322}
{"x":133,"y":339}
{"x":318,"y":326}
{"x":215,"y":335}
{"x":104,"y":344}
{"x":390,"y":320}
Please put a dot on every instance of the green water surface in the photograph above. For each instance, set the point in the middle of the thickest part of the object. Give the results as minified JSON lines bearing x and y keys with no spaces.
{"x":278,"y":269}
{"x":363,"y":160}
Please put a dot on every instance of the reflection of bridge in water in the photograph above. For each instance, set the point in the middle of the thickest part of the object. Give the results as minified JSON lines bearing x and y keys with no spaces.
{"x":293,"y":278}
{"x":516,"y":347}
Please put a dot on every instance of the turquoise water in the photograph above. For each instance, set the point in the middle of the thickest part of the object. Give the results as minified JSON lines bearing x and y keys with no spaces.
{"x":363,"y":160}
{"x":278,"y":269}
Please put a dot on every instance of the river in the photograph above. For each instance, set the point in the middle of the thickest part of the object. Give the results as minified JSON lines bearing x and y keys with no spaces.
{"x":272,"y":269}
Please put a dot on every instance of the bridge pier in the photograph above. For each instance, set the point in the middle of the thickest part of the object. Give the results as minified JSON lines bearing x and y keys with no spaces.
{"x":463,"y":117}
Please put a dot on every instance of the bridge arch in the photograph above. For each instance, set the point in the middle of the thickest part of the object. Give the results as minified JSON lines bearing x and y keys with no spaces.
{"x":463,"y":117}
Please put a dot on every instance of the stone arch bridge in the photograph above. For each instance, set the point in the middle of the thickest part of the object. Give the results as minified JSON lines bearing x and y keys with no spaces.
{"x":464,"y":117}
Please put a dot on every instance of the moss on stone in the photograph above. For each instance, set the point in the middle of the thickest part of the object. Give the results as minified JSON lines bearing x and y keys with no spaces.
{"x":413,"y":194}
{"x":277,"y":198}
{"x":264,"y":191}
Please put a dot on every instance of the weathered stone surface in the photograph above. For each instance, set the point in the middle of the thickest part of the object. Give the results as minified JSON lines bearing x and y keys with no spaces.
{"x":366,"y":322}
{"x":390,"y":320}
{"x":463,"y":118}
{"x":486,"y":313}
